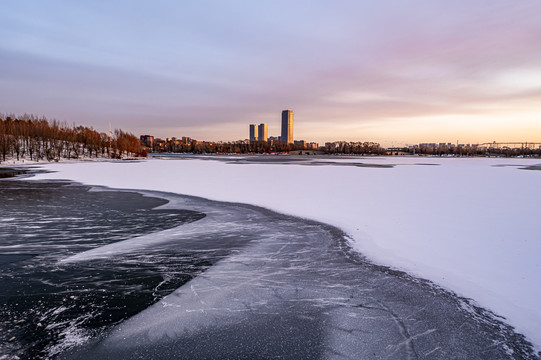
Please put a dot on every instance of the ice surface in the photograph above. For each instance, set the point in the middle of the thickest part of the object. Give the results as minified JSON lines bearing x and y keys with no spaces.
{"x":296,"y":291}
{"x":47,"y":307}
{"x":470,"y":225}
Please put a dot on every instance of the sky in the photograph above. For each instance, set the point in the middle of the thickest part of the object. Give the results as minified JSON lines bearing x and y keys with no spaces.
{"x":391,"y":71}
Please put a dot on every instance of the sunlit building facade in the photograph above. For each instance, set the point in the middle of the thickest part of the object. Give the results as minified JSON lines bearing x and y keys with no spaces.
{"x":253,"y":132}
{"x":287,"y":126}
{"x":262,"y":132}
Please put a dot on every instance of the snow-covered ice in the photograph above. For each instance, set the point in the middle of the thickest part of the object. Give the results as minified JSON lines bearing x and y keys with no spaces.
{"x":469,"y":225}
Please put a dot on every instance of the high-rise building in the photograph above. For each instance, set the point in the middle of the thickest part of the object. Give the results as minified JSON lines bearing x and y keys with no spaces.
{"x":262,"y":131}
{"x":253,"y":132}
{"x":287,"y":126}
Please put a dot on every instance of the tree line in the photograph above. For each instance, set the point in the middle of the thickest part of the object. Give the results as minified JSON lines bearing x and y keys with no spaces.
{"x":355,"y":148}
{"x":37,"y":138}
{"x":262,"y":147}
{"x":470,"y":151}
{"x":238,"y":147}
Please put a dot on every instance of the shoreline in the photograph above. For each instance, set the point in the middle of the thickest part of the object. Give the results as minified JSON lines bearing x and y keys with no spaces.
{"x":263,"y":157}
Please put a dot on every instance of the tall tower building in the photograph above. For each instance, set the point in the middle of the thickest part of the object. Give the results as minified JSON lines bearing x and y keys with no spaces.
{"x":253,"y":132}
{"x":287,"y":126}
{"x":262,"y":130}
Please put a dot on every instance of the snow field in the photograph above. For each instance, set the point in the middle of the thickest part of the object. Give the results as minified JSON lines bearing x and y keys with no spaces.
{"x":469,"y":225}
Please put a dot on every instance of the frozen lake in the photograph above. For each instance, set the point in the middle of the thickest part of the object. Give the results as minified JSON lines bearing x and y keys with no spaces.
{"x":467,"y":224}
{"x":251,"y":283}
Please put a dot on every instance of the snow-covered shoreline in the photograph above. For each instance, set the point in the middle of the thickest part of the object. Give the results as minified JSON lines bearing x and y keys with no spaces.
{"x":466,"y":224}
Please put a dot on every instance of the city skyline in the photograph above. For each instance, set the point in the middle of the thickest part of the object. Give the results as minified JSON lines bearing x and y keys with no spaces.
{"x":260,"y":132}
{"x":388,"y":72}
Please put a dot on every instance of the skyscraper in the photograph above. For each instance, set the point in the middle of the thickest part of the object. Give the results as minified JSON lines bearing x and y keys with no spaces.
{"x":262,"y":130}
{"x":253,"y":132}
{"x":287,"y":126}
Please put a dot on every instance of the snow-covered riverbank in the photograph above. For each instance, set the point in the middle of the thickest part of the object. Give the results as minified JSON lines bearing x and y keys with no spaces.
{"x":469,"y":225}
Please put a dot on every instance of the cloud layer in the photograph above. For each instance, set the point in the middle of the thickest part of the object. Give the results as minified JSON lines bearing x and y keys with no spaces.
{"x":391,"y":71}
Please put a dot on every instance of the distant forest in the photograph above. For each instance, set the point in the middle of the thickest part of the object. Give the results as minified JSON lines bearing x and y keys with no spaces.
{"x":263,"y":147}
{"x":37,"y":138}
